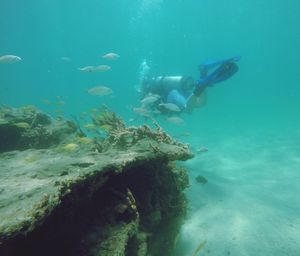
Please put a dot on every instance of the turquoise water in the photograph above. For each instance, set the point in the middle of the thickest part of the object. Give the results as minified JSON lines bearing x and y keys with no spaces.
{"x":250,"y":125}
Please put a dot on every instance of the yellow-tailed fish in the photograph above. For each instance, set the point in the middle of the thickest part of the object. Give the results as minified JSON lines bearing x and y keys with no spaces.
{"x":22,"y":125}
{"x":28,"y":108}
{"x":90,"y":126}
{"x":85,"y":140}
{"x":106,"y":127}
{"x":47,"y":102}
{"x":70,"y":147}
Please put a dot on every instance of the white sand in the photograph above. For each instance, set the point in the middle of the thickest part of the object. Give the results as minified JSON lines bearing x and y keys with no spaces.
{"x":250,"y":205}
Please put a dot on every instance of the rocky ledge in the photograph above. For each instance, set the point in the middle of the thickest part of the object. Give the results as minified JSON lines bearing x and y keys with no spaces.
{"x":121,"y":194}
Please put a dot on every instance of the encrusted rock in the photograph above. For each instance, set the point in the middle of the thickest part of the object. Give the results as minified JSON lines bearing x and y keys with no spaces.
{"x":26,"y":128}
{"x":56,"y":201}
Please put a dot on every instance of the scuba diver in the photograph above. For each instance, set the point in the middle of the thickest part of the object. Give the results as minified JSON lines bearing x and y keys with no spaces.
{"x":185,"y":92}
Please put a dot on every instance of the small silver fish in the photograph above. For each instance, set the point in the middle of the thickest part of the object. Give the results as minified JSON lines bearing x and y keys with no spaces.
{"x":101,"y":68}
{"x":111,"y":56}
{"x":66,"y":59}
{"x":175,"y":120}
{"x":100,"y":91}
{"x":202,"y":150}
{"x":91,"y":69}
{"x":183,"y":134}
{"x":150,"y":99}
{"x":170,"y":106}
{"x":87,"y":69}
{"x":156,"y":112}
{"x":141,"y":111}
{"x":9,"y":59}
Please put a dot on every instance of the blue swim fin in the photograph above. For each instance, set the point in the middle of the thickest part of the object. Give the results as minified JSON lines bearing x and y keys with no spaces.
{"x":225,"y":71}
{"x":227,"y":68}
{"x":211,"y":64}
{"x":222,"y":73}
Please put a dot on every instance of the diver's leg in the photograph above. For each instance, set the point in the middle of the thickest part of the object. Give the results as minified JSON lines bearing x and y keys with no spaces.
{"x":196,"y":100}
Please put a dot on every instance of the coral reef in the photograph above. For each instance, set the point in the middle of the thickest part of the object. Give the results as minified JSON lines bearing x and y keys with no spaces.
{"x":119,"y":194}
{"x":120,"y":136}
{"x":26,"y":127}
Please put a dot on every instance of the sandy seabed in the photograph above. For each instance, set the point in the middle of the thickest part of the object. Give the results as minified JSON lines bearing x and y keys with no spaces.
{"x":251,"y":203}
